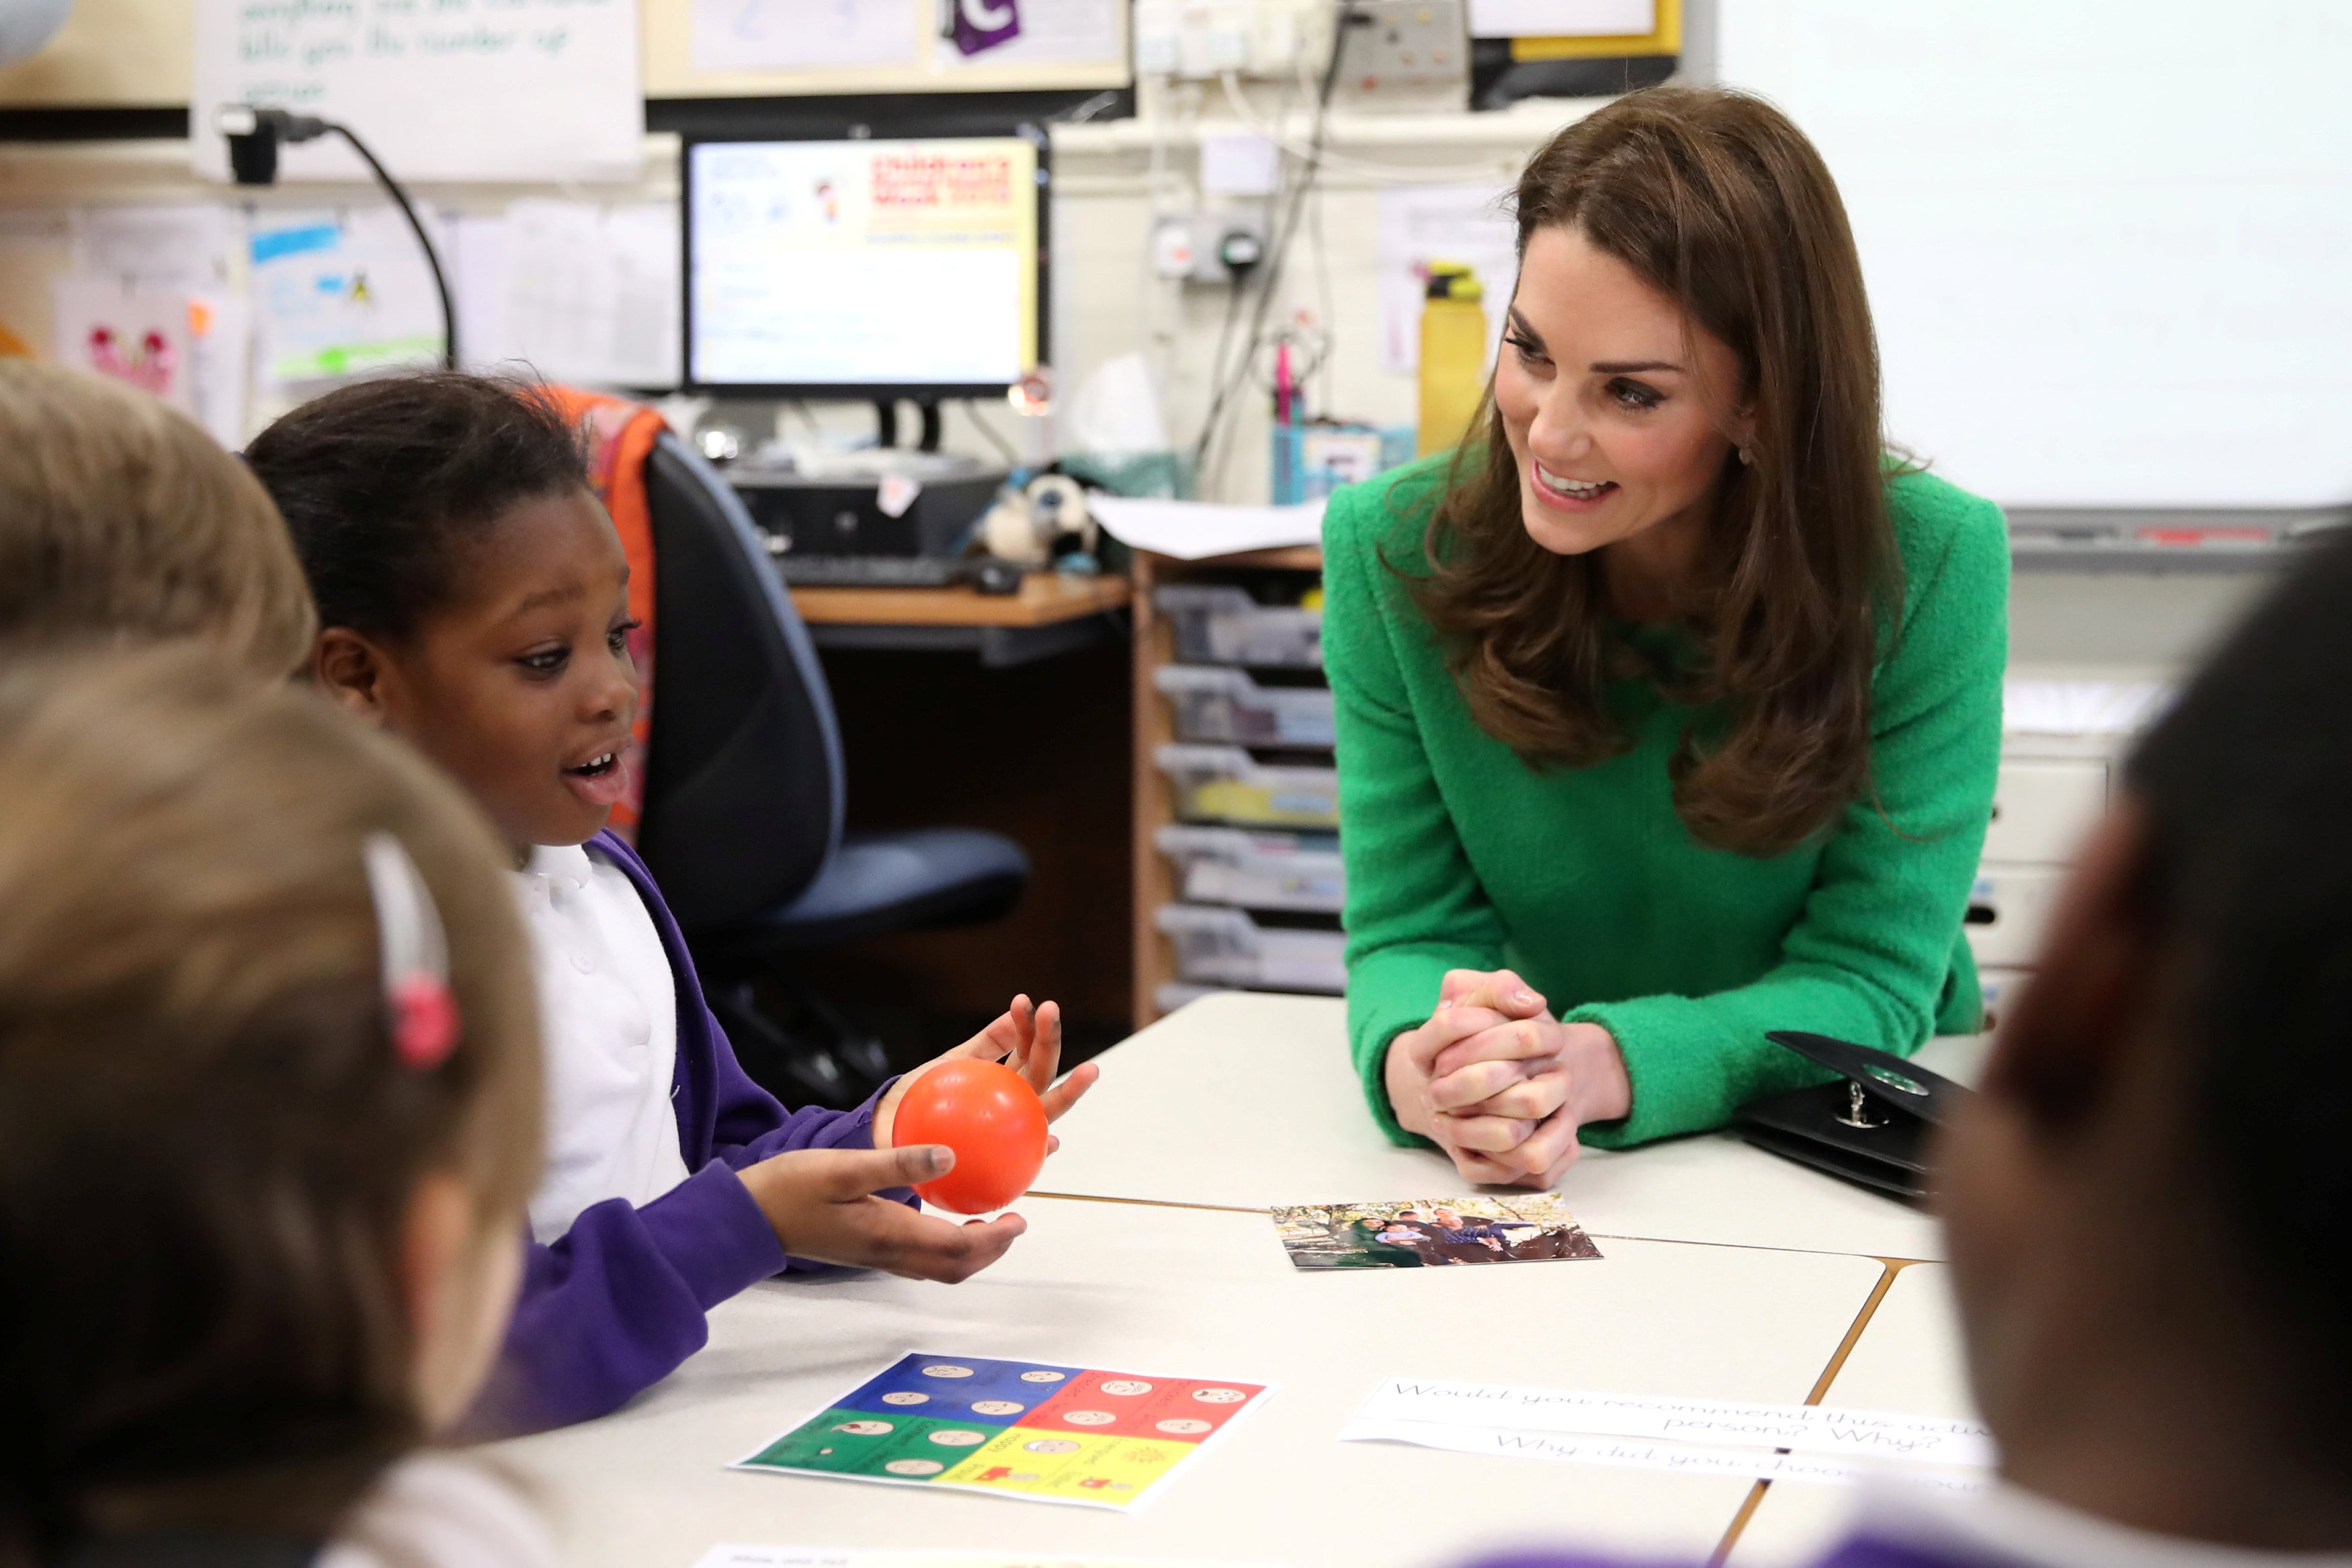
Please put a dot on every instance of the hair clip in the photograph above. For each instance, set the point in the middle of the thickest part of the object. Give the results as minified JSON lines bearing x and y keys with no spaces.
{"x":418,"y":1004}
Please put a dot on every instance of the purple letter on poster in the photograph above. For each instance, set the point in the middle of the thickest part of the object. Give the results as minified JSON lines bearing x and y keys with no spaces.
{"x":985,"y":24}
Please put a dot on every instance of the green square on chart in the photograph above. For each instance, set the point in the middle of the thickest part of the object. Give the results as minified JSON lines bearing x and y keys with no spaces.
{"x":861,"y":1442}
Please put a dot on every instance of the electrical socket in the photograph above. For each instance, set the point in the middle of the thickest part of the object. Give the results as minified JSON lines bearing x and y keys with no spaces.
{"x":1230,"y":31}
{"x":1159,"y":28}
{"x":1193,"y":247}
{"x":1200,"y":40}
{"x":1287,"y":31}
{"x":1196,"y":23}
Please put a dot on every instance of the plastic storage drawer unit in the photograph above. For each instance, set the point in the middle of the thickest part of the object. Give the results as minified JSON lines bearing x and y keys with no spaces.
{"x":2009,"y":908}
{"x":1226,"y":784}
{"x":1222,"y":706}
{"x":1257,"y":870}
{"x":1217,"y":623}
{"x":2042,"y":811}
{"x":1226,"y":947}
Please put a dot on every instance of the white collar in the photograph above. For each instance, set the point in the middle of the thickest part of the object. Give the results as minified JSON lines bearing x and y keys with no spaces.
{"x":569,"y":860}
{"x":2007,"y":1521}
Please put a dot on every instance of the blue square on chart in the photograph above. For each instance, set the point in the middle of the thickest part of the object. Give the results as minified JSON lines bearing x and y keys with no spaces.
{"x":962,"y":1387}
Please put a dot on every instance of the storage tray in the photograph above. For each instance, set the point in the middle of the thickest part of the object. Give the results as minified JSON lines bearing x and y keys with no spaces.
{"x":1218,"y":623}
{"x":1217,"y":704}
{"x":1226,"y":784}
{"x":1256,"y":869}
{"x":1226,"y":947}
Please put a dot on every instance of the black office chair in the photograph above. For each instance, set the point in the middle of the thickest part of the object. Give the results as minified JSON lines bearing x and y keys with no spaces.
{"x":744,"y":803}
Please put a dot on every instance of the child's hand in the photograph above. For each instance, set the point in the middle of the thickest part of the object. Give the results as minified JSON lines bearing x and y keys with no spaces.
{"x":821,"y":1205}
{"x":1027,"y":1041}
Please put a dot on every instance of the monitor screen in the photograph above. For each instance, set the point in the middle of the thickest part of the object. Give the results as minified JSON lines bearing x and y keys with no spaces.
{"x":864,"y":268}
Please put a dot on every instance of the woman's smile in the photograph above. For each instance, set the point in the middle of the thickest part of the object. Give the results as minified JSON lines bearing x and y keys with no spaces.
{"x":1568,"y":494}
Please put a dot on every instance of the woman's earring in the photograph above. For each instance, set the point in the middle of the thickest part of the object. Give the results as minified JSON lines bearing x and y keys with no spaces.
{"x":1747,"y":458}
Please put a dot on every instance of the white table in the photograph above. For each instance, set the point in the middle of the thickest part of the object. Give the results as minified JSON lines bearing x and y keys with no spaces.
{"x":1250,"y":1100}
{"x":1907,"y":1360}
{"x":1727,"y":1274}
{"x":1198,"y":1292}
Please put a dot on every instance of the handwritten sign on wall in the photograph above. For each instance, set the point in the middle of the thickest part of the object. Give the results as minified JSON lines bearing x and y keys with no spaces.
{"x":440,"y":90}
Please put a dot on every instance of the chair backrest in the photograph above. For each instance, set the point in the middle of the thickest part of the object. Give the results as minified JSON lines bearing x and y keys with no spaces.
{"x":743,"y":770}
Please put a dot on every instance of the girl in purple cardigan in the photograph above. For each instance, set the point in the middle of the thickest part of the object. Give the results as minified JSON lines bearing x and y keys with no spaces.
{"x":473,"y":599}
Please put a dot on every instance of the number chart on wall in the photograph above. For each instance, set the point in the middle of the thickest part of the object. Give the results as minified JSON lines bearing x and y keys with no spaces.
{"x":440,"y":90}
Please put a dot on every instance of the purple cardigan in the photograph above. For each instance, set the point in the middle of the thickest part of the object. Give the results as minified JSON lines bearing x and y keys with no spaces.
{"x":619,"y":1301}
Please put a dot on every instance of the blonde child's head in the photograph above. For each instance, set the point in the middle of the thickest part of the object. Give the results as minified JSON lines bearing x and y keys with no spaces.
{"x":122,"y":520}
{"x":256,"y":1239}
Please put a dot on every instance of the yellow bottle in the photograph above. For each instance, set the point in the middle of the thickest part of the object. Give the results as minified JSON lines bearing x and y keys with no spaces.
{"x":1452,"y":353}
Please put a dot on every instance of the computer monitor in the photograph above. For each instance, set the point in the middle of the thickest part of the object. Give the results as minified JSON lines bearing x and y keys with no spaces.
{"x":871,"y":268}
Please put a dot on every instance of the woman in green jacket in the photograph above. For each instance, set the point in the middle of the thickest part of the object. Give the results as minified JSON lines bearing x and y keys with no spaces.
{"x":1668,"y":706}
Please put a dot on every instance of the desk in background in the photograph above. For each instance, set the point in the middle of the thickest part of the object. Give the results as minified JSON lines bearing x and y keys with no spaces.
{"x":1051,"y":615}
{"x":1029,"y":739}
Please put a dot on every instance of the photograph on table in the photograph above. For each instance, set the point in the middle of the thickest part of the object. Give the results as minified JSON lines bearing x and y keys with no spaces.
{"x":1030,"y":1430}
{"x":1430,"y":1233}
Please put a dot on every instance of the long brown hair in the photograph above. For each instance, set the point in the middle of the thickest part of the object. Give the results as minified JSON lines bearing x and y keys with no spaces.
{"x":1716,"y":199}
{"x":207,"y":1140}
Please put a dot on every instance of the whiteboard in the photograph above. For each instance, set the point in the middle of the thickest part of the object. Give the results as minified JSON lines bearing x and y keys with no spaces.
{"x":2108,"y":243}
{"x":440,"y":90}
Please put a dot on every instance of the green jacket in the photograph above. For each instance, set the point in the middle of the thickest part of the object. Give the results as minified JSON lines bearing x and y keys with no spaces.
{"x":1459,"y":855}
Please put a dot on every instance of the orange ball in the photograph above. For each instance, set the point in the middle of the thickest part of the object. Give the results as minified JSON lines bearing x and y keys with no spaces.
{"x":993,"y":1120}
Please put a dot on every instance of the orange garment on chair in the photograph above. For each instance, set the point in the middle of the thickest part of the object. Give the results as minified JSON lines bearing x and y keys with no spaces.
{"x":620,"y":436}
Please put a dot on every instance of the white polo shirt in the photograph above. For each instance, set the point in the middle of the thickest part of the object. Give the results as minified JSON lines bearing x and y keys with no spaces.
{"x":608,"y":1013}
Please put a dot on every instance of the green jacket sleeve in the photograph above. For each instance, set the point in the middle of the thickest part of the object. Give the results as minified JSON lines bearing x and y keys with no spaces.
{"x":1868,"y":958}
{"x":1415,"y":907}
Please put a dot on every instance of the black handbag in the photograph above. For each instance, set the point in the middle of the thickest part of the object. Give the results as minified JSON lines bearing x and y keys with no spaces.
{"x":1869,"y":1127}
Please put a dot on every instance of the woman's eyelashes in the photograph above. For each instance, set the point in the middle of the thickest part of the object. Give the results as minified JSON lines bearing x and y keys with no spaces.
{"x":1526,"y":348}
{"x":617,"y":639}
{"x":1634,"y":395}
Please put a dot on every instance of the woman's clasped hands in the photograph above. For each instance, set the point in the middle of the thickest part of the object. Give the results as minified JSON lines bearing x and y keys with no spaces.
{"x":1501,"y":1085}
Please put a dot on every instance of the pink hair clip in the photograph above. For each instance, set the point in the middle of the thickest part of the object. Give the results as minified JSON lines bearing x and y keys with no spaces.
{"x":418,"y":1004}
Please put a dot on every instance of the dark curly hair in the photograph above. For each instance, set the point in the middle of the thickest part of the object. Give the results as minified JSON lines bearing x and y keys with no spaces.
{"x":386,"y":484}
{"x":2248,"y":890}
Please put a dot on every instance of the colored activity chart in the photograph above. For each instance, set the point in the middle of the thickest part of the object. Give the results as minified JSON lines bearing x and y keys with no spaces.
{"x":1020,"y":1428}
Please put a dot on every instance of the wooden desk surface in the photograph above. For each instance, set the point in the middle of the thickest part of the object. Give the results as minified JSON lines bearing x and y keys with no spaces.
{"x":1045,"y":598}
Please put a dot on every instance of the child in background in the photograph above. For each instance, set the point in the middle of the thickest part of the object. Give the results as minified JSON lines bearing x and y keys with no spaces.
{"x":119,"y":517}
{"x":2148,"y":1205}
{"x":473,"y":599}
{"x":257,"y":1189}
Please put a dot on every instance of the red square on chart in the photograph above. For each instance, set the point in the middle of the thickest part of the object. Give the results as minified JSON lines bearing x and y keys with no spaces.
{"x":1117,"y":1405}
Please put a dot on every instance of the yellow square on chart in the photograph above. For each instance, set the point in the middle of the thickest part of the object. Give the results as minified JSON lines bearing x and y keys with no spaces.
{"x":1040,"y":1463}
